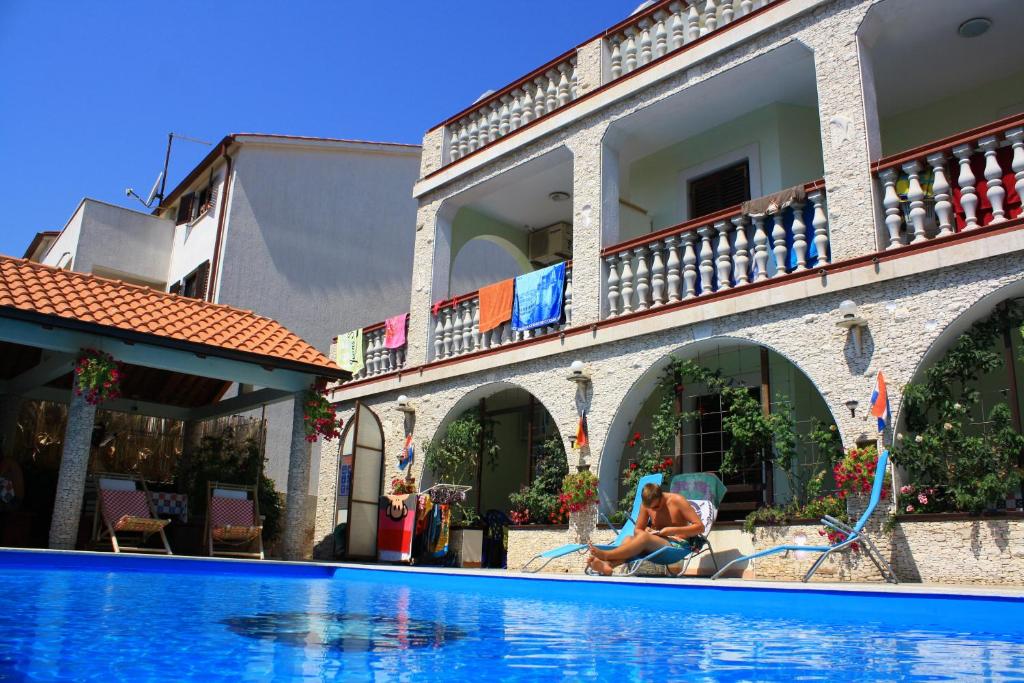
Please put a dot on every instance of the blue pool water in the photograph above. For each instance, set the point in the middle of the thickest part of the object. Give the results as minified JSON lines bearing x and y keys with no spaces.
{"x":75,"y":617}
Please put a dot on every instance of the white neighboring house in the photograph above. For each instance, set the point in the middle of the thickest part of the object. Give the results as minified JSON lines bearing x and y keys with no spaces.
{"x":111,"y":241}
{"x":312,"y":232}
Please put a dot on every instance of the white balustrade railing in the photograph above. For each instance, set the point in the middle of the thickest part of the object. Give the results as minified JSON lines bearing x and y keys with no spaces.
{"x":378,"y":360}
{"x":456,"y":326}
{"x":666,"y":28}
{"x":537,"y":95}
{"x":961,"y":183}
{"x":724,"y":250}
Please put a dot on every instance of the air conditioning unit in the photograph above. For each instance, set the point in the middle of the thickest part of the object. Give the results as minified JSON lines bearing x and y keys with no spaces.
{"x":551,"y":244}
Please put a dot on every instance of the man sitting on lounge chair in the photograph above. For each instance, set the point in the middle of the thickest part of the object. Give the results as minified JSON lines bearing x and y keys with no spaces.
{"x":664,"y":519}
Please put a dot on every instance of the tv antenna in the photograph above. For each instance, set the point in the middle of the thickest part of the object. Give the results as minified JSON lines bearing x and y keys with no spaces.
{"x":161,"y":179}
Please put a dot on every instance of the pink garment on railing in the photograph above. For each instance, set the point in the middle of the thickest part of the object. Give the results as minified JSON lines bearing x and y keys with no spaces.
{"x":394,"y":331}
{"x":118,"y":504}
{"x":231,"y":512}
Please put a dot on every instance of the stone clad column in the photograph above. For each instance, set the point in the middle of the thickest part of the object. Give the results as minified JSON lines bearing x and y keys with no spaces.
{"x":74,"y":463}
{"x":431,"y":269}
{"x":595,"y":207}
{"x":850,"y":135}
{"x":298,"y":485}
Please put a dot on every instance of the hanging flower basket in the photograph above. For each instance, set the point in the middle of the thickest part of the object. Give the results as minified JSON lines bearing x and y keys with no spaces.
{"x":319,"y":418}
{"x":97,"y":376}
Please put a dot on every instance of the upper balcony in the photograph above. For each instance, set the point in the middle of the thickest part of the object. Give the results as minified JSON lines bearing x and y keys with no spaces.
{"x":646,"y":38}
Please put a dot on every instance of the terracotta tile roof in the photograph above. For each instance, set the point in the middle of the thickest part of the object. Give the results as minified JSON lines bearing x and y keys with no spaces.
{"x":35,"y":288}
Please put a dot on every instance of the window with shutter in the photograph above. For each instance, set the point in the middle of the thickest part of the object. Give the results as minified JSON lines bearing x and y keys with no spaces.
{"x":175,"y":288}
{"x":196,"y":283}
{"x":214,"y":191}
{"x":719,"y":190}
{"x":184,"y":209}
{"x":202,"y":280}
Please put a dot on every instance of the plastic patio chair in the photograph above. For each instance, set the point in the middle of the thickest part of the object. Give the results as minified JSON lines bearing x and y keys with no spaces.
{"x":853,"y":534}
{"x":233,"y":521}
{"x":126,"y":508}
{"x":705,"y":492}
{"x":625,"y":532}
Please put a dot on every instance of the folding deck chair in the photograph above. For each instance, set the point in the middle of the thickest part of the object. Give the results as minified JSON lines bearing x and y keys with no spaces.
{"x":233,"y":527}
{"x":126,"y":507}
{"x":625,"y":532}
{"x":854,"y":534}
{"x":705,"y":492}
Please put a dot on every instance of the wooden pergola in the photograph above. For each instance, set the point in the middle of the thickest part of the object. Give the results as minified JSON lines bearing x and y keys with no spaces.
{"x":180,"y":358}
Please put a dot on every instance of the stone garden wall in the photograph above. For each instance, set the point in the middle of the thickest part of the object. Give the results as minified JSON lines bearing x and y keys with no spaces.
{"x":929,"y":549}
{"x":946,"y":549}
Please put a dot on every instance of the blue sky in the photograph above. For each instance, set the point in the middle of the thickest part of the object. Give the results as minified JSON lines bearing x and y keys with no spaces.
{"x":90,"y":89}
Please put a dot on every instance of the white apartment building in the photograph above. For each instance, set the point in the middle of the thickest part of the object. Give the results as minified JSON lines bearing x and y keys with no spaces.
{"x":305,"y":231}
{"x":895,"y":125}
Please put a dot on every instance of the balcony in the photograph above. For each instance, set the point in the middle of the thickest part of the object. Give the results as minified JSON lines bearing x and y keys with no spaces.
{"x":964,"y":182}
{"x":643,"y":39}
{"x":726,"y":250}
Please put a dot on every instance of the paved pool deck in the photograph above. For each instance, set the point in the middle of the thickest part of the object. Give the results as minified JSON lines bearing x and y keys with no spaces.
{"x":1015,"y":592}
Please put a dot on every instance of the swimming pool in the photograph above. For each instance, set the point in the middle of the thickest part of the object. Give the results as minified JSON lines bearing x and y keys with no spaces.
{"x":97,"y":617}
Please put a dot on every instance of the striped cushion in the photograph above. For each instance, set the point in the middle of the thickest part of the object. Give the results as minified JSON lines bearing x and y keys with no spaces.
{"x":121,"y":507}
{"x":231,"y":512}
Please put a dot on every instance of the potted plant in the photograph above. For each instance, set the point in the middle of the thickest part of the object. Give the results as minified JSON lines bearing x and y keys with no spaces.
{"x":579,"y":501}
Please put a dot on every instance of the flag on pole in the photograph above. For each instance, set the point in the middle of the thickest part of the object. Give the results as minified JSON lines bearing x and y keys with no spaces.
{"x":880,"y":402}
{"x":405,"y":457}
{"x":581,"y":433}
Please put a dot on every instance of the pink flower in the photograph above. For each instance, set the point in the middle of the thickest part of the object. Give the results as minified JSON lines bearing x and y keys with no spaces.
{"x":906,"y":489}
{"x":910,"y":508}
{"x":922,"y":499}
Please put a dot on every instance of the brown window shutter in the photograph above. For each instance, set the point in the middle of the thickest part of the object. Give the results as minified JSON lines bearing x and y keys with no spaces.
{"x":184,"y":210}
{"x":212,"y":201}
{"x":202,"y":280}
{"x":176,"y":287}
{"x":719,"y":190}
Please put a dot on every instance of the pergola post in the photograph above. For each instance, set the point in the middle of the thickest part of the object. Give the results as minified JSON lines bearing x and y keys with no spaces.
{"x":298,"y":484}
{"x":74,"y":463}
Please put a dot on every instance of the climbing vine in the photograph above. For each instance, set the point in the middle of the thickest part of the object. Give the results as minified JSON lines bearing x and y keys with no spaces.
{"x":970,"y":466}
{"x":753,"y":436}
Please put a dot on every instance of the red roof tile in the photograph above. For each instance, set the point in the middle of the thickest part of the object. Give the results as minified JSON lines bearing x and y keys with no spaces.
{"x":35,"y":288}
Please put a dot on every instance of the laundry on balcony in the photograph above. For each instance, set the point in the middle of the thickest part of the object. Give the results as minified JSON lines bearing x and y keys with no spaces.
{"x":349,"y":351}
{"x":495,"y":304}
{"x":394,"y":331}
{"x":538,"y":298}
{"x":773,"y":203}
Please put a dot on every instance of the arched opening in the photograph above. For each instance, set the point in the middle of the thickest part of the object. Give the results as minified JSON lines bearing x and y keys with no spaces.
{"x":485,"y":259}
{"x":498,"y":439}
{"x":958,"y":437}
{"x":360,"y":472}
{"x":662,"y":400}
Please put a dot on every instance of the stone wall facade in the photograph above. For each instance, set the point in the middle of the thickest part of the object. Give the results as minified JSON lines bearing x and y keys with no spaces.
{"x":907,"y":314}
{"x":982,"y":550}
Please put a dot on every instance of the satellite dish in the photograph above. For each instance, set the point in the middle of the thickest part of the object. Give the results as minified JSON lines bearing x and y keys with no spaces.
{"x":152,"y":193}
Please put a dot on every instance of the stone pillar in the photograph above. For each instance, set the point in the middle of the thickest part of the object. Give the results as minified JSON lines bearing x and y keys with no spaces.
{"x":431,"y":266}
{"x":850,"y":135}
{"x":74,"y":463}
{"x":595,"y":209}
{"x":298,"y":485}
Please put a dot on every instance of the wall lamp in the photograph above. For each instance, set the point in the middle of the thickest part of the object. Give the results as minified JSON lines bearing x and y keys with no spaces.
{"x":578,"y":373}
{"x":404,"y":405}
{"x":849,"y":320}
{"x":852,"y":405}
